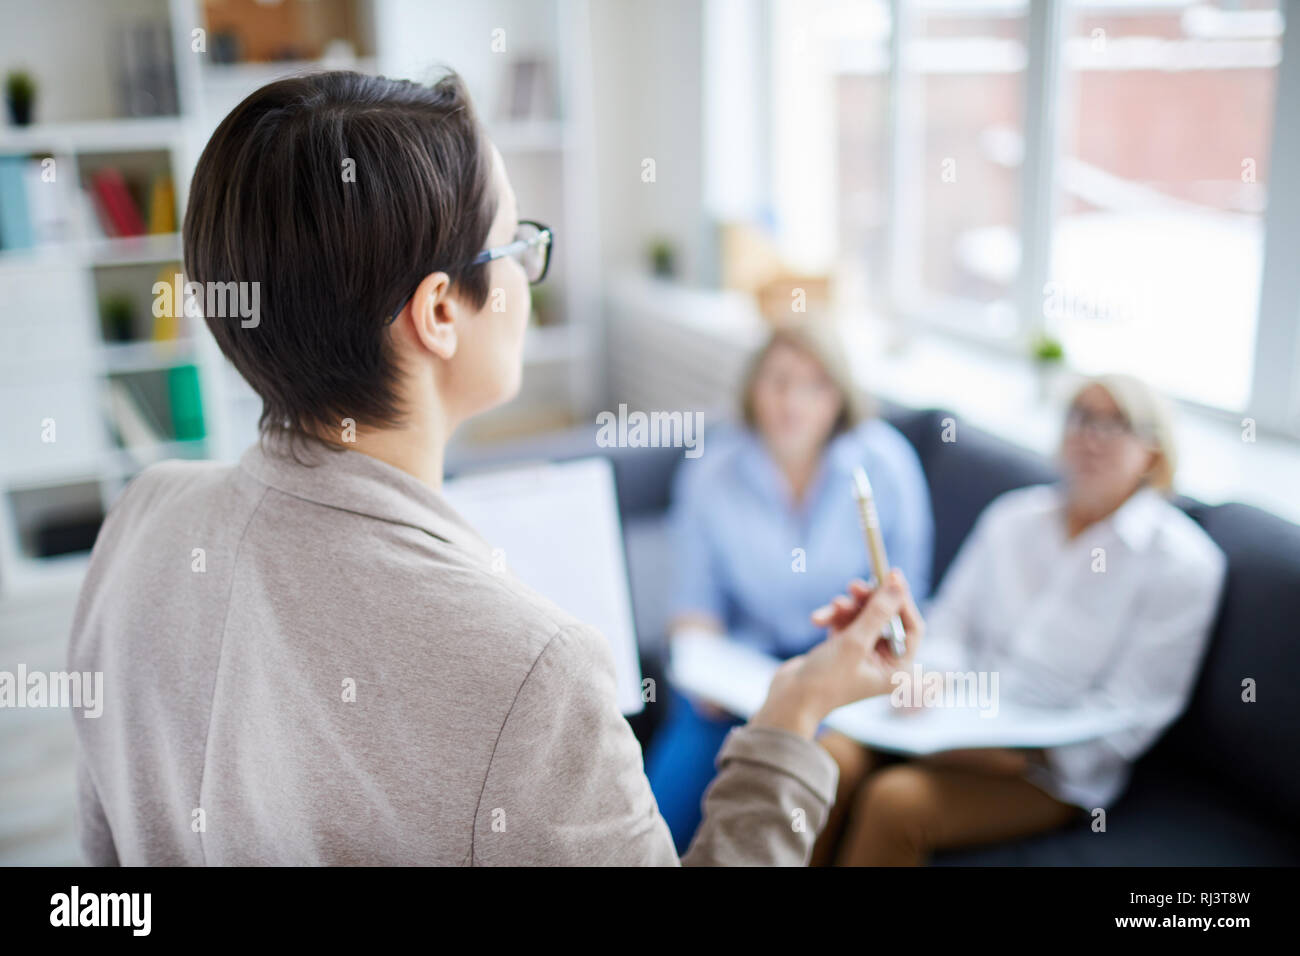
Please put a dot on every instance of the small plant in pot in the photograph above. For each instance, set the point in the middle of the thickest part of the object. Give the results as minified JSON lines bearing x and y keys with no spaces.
{"x":118,"y":318}
{"x":543,"y":307}
{"x":663,"y":259}
{"x":20,"y":94}
{"x":1049,"y":358}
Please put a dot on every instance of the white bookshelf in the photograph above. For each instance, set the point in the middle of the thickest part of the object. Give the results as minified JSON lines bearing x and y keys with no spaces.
{"x":550,"y":158}
{"x":55,"y":361}
{"x":551,"y":161}
{"x":54,"y":357}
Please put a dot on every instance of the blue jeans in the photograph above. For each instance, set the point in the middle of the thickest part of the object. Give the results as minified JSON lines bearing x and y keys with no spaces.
{"x":679,"y":763}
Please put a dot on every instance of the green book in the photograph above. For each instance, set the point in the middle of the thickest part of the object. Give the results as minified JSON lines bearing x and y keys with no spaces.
{"x":186,"y":402}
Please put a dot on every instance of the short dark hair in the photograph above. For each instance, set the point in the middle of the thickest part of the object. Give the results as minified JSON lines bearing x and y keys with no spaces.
{"x":334,"y":254}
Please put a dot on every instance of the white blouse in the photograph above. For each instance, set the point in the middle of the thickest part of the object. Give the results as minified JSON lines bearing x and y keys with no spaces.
{"x":1117,"y":618}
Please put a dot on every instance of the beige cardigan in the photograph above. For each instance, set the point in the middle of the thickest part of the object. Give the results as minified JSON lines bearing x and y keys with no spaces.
{"x":315,"y":663}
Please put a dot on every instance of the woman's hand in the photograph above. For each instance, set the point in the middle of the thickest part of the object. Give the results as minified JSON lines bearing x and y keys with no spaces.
{"x":852,"y":663}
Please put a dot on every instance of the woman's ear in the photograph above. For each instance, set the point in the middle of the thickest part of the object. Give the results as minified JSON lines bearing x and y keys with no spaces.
{"x":1155,"y":464}
{"x":1152,"y":467}
{"x":436,"y":314}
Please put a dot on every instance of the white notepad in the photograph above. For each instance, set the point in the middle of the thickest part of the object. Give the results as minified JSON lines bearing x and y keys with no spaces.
{"x":736,"y":678}
{"x":558,"y":529}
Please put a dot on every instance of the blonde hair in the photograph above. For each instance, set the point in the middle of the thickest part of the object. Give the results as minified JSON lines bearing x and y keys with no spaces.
{"x":822,"y":344}
{"x":1150,"y":417}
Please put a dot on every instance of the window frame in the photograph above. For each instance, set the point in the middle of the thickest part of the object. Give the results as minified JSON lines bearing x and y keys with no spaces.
{"x":1274,"y":400}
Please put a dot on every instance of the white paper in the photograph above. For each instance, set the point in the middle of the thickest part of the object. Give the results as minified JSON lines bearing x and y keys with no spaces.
{"x":736,"y":678}
{"x":558,"y":529}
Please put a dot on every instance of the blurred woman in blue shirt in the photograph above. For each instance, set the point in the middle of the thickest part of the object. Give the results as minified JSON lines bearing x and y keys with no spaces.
{"x":765,"y":526}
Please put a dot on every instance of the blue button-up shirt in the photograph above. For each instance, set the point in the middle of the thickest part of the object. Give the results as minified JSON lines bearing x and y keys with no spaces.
{"x":759,"y":562}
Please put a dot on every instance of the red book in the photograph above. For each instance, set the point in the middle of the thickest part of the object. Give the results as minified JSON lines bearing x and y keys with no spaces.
{"x":116,"y":200}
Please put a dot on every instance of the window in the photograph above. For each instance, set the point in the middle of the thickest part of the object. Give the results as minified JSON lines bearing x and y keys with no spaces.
{"x":830,"y":124}
{"x":1092,"y":170}
{"x":860,"y":86}
{"x":1157,"y":247}
{"x":961,"y":132}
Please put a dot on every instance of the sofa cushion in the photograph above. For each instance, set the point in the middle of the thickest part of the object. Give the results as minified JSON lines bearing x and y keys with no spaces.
{"x":1249,"y":748}
{"x":964,"y":473}
{"x":648,"y":544}
{"x":1221,"y":787}
{"x":642,"y":476}
{"x":1167,"y":818}
{"x":1230,"y":743}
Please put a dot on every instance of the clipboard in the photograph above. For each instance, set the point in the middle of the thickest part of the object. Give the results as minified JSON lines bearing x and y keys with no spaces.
{"x":558,"y":530}
{"x":736,"y":678}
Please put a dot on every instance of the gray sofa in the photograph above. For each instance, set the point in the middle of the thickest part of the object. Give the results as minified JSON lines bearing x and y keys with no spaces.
{"x":1222,"y":787}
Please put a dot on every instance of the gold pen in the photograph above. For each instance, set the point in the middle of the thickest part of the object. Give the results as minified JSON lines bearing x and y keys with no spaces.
{"x":876,"y":548}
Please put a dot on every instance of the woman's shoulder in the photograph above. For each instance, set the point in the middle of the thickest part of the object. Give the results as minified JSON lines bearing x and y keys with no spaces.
{"x":1183,"y":546}
{"x":883,"y":449}
{"x":725,"y":442}
{"x":1029,"y":505}
{"x":879,"y":436}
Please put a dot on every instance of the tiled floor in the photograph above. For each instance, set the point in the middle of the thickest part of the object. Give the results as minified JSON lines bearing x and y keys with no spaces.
{"x":36,"y":745}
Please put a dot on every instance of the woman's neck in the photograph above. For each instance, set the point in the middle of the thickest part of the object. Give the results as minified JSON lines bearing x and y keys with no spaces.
{"x":418,"y":448}
{"x":799,"y":472}
{"x":1080,"y":516}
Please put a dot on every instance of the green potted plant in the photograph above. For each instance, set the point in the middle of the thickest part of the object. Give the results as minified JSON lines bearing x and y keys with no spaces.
{"x":118,"y":318}
{"x":20,"y":94}
{"x":1049,"y":358}
{"x":543,"y":307}
{"x":663,"y":260}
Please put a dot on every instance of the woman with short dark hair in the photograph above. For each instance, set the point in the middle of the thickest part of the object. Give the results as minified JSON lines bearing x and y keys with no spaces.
{"x":309,"y":657}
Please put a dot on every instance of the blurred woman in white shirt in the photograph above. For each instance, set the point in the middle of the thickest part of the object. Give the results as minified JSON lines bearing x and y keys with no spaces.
{"x":1094,"y":593}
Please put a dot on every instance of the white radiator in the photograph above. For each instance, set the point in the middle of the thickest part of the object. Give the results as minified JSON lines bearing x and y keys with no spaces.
{"x":670,"y":348}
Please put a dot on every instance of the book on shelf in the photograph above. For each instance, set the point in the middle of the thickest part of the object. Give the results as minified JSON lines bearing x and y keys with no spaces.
{"x":133,"y":424}
{"x":39,"y":208}
{"x":167,"y":318}
{"x":119,"y":213}
{"x":528,"y":95}
{"x":162,"y":206}
{"x":50,"y":201}
{"x":175,"y":412}
{"x":36,"y":205}
{"x":186,"y":402}
{"x":146,"y":74}
{"x":90,"y":215}
{"x":116,"y":213}
{"x":15,"y":219}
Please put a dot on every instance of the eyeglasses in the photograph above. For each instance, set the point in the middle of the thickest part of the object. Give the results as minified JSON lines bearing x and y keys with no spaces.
{"x":810,"y":387}
{"x":531,"y":247}
{"x":1107,"y":428}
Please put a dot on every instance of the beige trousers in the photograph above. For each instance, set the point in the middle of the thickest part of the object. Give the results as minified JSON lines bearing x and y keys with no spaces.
{"x":899,"y":814}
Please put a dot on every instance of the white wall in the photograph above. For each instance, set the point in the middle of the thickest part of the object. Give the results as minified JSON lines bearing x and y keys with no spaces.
{"x":647,"y":65}
{"x":645,"y":77}
{"x":79,"y":83}
{"x":415,"y":37}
